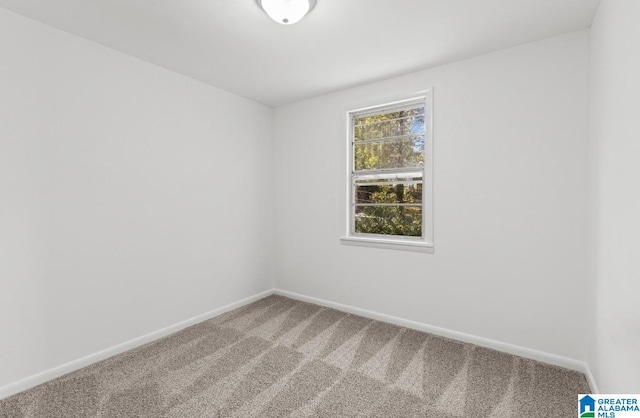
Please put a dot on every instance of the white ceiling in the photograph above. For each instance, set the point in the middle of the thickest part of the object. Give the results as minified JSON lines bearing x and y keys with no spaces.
{"x":232,"y":44}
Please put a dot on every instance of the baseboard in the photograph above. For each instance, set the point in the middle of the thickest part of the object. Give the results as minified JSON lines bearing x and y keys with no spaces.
{"x":529,"y":353}
{"x":590,"y":379}
{"x":37,"y":379}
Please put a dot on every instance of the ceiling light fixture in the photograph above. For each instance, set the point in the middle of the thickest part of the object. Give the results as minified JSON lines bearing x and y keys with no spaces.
{"x":286,"y":12}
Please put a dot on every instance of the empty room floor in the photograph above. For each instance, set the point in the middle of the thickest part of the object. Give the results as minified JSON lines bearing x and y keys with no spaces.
{"x":279,"y":357}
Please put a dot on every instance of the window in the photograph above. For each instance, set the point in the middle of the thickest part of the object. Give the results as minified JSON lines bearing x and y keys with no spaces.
{"x":389,"y":203}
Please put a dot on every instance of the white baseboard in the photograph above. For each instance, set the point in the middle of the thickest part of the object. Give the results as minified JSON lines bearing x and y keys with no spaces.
{"x":529,"y":353}
{"x":590,"y":379}
{"x":37,"y":379}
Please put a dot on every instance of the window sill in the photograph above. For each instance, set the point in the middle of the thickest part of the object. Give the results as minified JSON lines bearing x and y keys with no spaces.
{"x":389,"y":244}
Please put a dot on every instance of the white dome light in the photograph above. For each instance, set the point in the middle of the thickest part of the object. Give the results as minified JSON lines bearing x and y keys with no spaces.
{"x":286,"y":12}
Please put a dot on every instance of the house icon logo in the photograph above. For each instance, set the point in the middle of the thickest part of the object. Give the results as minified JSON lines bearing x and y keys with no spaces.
{"x":587,"y":407}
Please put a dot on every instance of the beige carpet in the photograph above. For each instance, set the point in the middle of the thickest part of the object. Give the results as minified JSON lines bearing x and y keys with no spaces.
{"x":282,"y":358}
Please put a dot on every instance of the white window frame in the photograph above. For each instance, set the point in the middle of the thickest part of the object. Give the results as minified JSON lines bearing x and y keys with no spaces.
{"x":418,"y":244}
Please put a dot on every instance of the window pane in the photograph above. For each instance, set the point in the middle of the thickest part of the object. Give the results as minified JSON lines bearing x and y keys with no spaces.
{"x":390,"y":153}
{"x":388,"y":193}
{"x":405,"y":122}
{"x":389,"y":220}
{"x":388,"y":157}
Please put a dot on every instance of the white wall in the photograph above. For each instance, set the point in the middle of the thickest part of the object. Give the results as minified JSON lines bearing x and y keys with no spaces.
{"x":131,"y":198}
{"x":510,"y":195}
{"x":614,"y":354}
